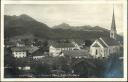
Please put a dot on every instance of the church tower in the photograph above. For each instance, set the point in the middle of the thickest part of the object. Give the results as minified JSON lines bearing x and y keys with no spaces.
{"x":113,"y":32}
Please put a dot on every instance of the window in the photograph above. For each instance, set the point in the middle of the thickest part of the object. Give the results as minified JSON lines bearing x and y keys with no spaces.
{"x":96,"y":52}
{"x":113,"y":50}
{"x":111,"y":34}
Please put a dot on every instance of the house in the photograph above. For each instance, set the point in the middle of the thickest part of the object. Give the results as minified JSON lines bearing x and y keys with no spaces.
{"x":31,"y":49}
{"x":103,"y":47}
{"x":82,"y":44}
{"x":56,"y":47}
{"x":20,"y":44}
{"x":20,"y":52}
{"x":78,"y":43}
{"x":39,"y":54}
{"x":24,"y":68}
{"x":9,"y":44}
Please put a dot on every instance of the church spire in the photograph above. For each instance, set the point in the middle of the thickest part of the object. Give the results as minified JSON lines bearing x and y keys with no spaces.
{"x":113,"y":27}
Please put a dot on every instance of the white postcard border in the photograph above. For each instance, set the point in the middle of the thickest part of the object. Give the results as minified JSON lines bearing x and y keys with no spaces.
{"x":124,"y":2}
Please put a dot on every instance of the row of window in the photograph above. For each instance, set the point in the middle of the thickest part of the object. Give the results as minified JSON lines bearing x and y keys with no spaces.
{"x":17,"y":53}
{"x":110,"y":50}
{"x":64,"y":48}
{"x":19,"y":56}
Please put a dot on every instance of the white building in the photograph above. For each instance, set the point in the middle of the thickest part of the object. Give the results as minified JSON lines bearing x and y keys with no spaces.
{"x":19,"y":52}
{"x":20,"y":44}
{"x":78,"y":47}
{"x":103,"y":47}
{"x":56,"y":48}
{"x":38,"y":57}
{"x":24,"y":68}
{"x":78,"y":43}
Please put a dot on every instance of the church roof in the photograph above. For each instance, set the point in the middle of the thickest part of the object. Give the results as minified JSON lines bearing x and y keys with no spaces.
{"x":113,"y":25}
{"x":96,"y":45}
{"x":110,"y":41}
{"x":102,"y":43}
{"x":105,"y":42}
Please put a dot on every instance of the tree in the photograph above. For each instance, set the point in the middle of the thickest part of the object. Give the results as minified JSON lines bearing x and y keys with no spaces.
{"x":41,"y":69}
{"x":11,"y":69}
{"x":45,"y":43}
{"x":88,"y":43}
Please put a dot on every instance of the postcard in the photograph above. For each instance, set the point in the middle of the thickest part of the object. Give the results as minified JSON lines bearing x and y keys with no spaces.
{"x":64,"y":40}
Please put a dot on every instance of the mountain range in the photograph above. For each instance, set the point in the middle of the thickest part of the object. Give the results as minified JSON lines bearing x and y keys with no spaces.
{"x":25,"y":25}
{"x":79,"y":28}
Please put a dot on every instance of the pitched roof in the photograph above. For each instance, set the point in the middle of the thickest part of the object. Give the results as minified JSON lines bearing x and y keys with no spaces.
{"x":79,"y":42}
{"x":62,"y":45}
{"x":18,"y":49}
{"x":102,"y":43}
{"x":75,"y":53}
{"x":25,"y":48}
{"x":10,"y":43}
{"x":20,"y":42}
{"x":32,"y":49}
{"x":39,"y":52}
{"x":96,"y":45}
{"x":110,"y":41}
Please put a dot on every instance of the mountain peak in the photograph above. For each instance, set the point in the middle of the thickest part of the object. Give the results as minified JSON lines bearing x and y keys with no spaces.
{"x":26,"y":17}
{"x":63,"y":26}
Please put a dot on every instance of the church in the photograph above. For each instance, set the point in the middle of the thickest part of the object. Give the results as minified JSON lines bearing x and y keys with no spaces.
{"x":103,"y":47}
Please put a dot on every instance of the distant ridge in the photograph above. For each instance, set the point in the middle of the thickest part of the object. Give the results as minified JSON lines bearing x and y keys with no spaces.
{"x":77,"y":28}
{"x":23,"y":25}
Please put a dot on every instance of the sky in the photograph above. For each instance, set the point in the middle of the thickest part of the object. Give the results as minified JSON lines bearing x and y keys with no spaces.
{"x":73,"y":14}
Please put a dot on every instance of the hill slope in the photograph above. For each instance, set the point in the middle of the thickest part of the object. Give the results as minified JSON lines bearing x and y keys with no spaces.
{"x":82,"y":32}
{"x":25,"y":25}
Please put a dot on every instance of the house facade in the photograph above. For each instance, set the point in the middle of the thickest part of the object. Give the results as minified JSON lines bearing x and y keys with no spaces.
{"x":19,"y":52}
{"x":56,"y":48}
{"x":20,"y":44}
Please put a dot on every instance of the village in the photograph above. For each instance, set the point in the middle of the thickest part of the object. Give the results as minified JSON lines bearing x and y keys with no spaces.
{"x":59,"y":58}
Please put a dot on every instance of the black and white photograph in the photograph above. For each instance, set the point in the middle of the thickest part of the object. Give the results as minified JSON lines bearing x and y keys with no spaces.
{"x":81,"y":40}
